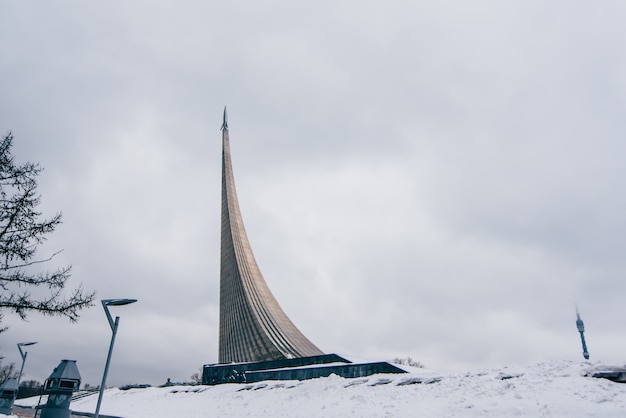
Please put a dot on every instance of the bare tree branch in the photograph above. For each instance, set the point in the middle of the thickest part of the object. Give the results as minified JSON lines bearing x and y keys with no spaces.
{"x":21,"y":231}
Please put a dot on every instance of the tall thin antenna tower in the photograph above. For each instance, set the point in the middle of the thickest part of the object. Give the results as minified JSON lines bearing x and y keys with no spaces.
{"x":581,"y":328}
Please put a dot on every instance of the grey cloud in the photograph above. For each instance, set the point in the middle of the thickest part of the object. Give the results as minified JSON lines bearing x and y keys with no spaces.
{"x":436,"y":180}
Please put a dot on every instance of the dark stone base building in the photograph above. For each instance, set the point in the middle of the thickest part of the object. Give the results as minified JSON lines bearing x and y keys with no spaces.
{"x":301,"y":368}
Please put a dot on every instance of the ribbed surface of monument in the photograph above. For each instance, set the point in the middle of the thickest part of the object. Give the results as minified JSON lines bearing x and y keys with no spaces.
{"x":253,"y":326}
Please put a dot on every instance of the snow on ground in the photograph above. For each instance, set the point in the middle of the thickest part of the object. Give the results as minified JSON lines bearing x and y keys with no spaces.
{"x":550,"y":389}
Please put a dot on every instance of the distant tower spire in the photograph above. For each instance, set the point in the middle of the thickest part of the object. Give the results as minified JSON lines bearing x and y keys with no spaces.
{"x":225,"y":123}
{"x":581,"y":328}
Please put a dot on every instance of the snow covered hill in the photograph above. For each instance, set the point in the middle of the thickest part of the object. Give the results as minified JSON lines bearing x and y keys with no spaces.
{"x":550,"y":389}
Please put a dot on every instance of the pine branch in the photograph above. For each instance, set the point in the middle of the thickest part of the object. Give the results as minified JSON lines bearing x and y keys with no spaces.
{"x":21,"y":231}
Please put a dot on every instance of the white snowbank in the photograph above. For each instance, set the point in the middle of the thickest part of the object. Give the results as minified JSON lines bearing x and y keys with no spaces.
{"x":555,"y":389}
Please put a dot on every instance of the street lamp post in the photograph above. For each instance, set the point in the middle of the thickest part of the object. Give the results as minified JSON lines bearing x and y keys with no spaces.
{"x":114,"y":324}
{"x":23,"y":354}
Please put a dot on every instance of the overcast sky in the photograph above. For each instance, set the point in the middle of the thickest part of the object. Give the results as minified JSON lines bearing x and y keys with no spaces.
{"x":440,"y":180}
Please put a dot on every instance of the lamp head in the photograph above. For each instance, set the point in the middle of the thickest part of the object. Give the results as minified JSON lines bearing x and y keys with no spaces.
{"x":22,"y":353}
{"x":118,"y":302}
{"x":114,"y":302}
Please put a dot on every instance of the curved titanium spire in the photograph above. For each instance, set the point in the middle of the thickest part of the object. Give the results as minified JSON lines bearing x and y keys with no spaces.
{"x":253,"y":327}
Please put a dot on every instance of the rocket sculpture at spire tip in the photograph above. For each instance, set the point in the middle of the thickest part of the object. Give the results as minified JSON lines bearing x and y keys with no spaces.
{"x":225,"y":123}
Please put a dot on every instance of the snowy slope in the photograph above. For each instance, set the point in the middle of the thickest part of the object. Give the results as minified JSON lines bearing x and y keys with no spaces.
{"x":551,"y":389}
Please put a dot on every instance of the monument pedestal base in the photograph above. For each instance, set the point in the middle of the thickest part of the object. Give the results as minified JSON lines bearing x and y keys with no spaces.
{"x":300,"y":368}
